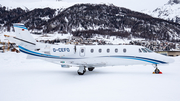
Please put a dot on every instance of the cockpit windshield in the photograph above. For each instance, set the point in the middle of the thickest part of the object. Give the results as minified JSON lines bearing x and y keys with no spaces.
{"x":149,"y":50}
{"x":145,"y":50}
{"x":140,"y":50}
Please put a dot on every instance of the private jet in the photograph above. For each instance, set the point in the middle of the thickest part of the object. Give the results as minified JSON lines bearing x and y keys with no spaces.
{"x":86,"y":56}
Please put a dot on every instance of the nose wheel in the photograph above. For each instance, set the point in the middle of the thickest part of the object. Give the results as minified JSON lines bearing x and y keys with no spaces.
{"x":157,"y":71}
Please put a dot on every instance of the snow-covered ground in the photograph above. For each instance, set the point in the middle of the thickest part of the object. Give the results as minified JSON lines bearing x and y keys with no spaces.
{"x":37,"y":80}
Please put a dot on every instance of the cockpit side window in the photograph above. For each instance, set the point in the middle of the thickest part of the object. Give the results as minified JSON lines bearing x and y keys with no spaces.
{"x":140,"y":51}
{"x":148,"y":50}
{"x":145,"y":51}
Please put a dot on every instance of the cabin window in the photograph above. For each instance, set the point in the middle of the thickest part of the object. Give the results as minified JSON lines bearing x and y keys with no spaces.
{"x":100,"y":50}
{"x":108,"y":50}
{"x":140,"y":50}
{"x":82,"y":50}
{"x":116,"y":50}
{"x":92,"y":50}
{"x":145,"y":51}
{"x":124,"y":50}
{"x":148,"y":50}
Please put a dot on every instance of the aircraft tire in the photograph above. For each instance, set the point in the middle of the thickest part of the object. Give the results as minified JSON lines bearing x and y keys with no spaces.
{"x":84,"y":70}
{"x":91,"y":69}
{"x":81,"y":73}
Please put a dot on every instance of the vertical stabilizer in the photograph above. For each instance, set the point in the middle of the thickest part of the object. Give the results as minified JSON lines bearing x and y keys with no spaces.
{"x":23,"y":33}
{"x":23,"y":36}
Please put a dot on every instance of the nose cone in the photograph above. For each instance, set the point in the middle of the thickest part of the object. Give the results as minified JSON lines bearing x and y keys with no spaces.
{"x":170,"y":60}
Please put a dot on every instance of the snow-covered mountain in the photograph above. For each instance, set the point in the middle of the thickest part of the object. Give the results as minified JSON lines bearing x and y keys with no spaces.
{"x":169,"y":11}
{"x":87,"y":20}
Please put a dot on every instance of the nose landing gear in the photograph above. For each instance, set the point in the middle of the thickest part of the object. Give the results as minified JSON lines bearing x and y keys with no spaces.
{"x":157,"y":71}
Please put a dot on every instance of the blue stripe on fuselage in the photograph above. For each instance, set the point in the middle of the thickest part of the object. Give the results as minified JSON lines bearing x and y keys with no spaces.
{"x":153,"y":61}
{"x":141,"y":59}
{"x":24,"y":50}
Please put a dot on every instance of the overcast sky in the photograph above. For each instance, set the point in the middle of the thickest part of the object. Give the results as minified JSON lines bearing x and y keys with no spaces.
{"x":131,"y":4}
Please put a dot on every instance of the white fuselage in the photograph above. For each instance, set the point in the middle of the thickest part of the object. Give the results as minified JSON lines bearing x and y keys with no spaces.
{"x":100,"y":55}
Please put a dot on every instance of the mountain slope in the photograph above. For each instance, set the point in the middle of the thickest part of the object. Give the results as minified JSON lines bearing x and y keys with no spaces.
{"x":169,"y":11}
{"x":88,"y":20}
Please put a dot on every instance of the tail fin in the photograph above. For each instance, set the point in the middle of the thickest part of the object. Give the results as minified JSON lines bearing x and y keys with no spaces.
{"x":23,"y":33}
{"x":23,"y":37}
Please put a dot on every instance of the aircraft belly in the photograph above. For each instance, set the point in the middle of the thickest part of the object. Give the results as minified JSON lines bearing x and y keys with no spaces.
{"x":111,"y":61}
{"x":108,"y":61}
{"x":90,"y":62}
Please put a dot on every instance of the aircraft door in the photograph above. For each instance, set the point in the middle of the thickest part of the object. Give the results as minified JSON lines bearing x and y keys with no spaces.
{"x":82,"y":51}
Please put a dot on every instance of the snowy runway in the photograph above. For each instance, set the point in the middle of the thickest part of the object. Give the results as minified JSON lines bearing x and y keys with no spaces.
{"x":36,"y":80}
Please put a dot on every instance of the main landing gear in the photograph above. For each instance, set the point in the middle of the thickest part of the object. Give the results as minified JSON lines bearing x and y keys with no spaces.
{"x":82,"y":70}
{"x":91,"y":68}
{"x":156,"y":71}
